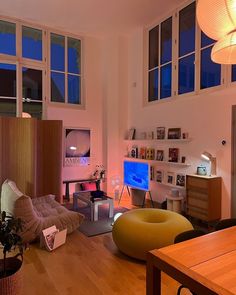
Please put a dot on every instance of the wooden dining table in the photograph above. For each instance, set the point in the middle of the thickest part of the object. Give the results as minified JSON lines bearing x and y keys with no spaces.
{"x":206,"y":264}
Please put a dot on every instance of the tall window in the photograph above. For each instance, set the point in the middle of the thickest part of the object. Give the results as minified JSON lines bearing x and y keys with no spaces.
{"x":186,"y":66}
{"x":210,"y":72}
{"x":160,"y":61}
{"x":65,"y":69}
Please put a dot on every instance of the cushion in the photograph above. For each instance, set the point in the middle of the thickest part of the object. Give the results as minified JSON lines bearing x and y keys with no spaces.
{"x":9,"y":195}
{"x":89,"y":186}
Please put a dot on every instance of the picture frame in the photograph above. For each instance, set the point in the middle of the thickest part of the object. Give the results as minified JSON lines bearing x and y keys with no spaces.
{"x":160,"y":132}
{"x":180,"y":180}
{"x":134,"y":152}
{"x":150,"y":135}
{"x":77,"y":146}
{"x":142,"y":152}
{"x":160,"y":155}
{"x":174,"y":133}
{"x":170,"y":177}
{"x":159,"y":176}
{"x":131,"y":134}
{"x":173,"y":155}
{"x":150,"y":154}
{"x":152,"y":172}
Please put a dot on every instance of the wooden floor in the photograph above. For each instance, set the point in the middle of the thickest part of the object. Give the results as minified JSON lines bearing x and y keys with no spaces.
{"x":86,"y":266}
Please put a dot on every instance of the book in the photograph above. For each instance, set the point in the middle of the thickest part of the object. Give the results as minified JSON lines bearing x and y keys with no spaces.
{"x":142,"y":153}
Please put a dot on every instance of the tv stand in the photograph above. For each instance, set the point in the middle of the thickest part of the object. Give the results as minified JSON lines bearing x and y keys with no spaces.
{"x":144,"y":195}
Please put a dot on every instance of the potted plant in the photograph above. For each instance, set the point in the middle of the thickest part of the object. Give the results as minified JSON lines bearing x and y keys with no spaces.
{"x":10,"y":274}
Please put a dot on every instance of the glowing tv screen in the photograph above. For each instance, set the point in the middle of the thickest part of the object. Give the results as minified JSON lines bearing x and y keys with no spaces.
{"x":136,"y":175}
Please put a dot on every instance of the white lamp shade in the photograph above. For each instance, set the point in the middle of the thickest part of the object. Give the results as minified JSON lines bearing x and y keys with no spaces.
{"x":216,"y":18}
{"x":207,"y":156}
{"x":224,"y":51}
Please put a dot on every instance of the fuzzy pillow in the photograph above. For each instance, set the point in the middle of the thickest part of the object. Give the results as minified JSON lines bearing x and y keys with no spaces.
{"x":88,"y":186}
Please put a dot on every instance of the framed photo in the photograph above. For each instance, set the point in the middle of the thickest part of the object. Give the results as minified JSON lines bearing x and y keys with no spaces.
{"x":131,"y":134}
{"x":160,"y":155}
{"x":174,"y":133}
{"x":170,"y":178}
{"x":134,"y":152}
{"x":180,"y":179}
{"x":159,"y":176}
{"x":77,"y":147}
{"x":161,"y":132}
{"x":173,"y":155}
{"x":150,"y":154}
{"x":142,"y":153}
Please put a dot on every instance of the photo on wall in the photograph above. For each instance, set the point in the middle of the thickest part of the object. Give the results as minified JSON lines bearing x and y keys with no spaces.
{"x":77,"y":147}
{"x":170,"y":177}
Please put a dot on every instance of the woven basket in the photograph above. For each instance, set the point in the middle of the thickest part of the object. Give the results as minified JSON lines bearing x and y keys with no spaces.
{"x":12,"y":284}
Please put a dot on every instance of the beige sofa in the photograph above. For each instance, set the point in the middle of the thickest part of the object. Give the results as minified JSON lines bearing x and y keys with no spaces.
{"x":38,"y":213}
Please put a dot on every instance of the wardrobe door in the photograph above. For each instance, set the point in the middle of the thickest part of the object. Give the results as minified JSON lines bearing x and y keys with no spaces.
{"x":49,"y":158}
{"x":18,"y":151}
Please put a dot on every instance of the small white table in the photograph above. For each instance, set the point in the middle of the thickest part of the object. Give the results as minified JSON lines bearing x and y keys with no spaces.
{"x":174,"y":203}
{"x":85,"y":196}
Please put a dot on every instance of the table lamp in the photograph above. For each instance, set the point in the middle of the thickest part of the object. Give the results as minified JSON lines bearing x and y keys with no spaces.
{"x":207,"y":156}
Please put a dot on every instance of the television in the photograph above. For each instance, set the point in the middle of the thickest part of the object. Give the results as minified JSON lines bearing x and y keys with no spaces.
{"x":136,"y":175}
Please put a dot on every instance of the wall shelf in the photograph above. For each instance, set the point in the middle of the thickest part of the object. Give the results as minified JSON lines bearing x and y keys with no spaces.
{"x":160,"y":162}
{"x":170,"y":185}
{"x":159,"y":140}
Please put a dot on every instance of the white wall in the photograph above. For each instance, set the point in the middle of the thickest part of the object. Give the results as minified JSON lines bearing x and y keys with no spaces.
{"x":206,"y":117}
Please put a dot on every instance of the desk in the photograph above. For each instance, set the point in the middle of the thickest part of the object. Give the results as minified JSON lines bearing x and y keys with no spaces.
{"x":206,"y":265}
{"x":67,"y":183}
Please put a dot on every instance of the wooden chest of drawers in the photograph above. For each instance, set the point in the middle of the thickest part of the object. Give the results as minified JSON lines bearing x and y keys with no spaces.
{"x":203,"y":197}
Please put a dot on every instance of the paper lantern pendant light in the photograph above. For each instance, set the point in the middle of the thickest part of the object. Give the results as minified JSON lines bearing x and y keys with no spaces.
{"x":217,"y":19}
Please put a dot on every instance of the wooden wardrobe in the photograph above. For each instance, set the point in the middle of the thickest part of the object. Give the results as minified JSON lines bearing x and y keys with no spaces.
{"x":31,"y":155}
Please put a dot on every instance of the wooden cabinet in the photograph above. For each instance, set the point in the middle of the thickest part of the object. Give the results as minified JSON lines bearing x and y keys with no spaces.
{"x":31,"y":155}
{"x":203,"y":196}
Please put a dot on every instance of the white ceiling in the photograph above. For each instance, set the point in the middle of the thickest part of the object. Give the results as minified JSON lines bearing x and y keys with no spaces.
{"x":88,"y":16}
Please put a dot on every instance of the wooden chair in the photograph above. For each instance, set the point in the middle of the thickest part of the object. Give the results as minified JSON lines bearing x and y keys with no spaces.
{"x":187,"y":235}
{"x":225,"y":223}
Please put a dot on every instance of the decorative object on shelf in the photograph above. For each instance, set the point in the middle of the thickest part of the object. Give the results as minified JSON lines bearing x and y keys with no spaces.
{"x":150,"y":154}
{"x":151,"y":173}
{"x":134,"y":152}
{"x":159,"y":175}
{"x":77,"y":147}
{"x":180,"y":179}
{"x":161,"y":132}
{"x":173,"y":154}
{"x":207,"y":156}
{"x":170,"y":177}
{"x":174,"y":133}
{"x":142,"y":153}
{"x":183,"y":159}
{"x":131,"y":134}
{"x":160,"y":155}
{"x":216,"y":19}
{"x":150,"y":135}
{"x":185,"y":135}
{"x":201,"y":170}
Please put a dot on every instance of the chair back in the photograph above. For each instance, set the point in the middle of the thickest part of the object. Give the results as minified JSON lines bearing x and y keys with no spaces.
{"x":187,"y":235}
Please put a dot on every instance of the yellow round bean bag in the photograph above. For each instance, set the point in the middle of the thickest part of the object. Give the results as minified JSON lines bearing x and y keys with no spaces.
{"x":140,"y":230}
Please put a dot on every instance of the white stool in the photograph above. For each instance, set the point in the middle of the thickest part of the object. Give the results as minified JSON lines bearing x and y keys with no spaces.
{"x":95,"y":204}
{"x":174,"y":203}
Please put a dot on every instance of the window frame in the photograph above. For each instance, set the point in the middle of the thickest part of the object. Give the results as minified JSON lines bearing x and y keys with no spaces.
{"x":225,"y":71}
{"x":43,"y":65}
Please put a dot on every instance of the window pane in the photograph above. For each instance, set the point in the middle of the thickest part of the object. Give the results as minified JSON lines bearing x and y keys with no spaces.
{"x":233,"y":73}
{"x":57,"y":87}
{"x":186,"y":74}
{"x":187,"y":30}
{"x":32,"y":43}
{"x":153,"y":85}
{"x":74,"y":89}
{"x":166,"y":41}
{"x":206,"y":40}
{"x":7,"y":107}
{"x":32,"y":84}
{"x":33,"y":108}
{"x":210,"y":71}
{"x":74,"y":56}
{"x":153,"y":47}
{"x":57,"y":52}
{"x":7,"y":38}
{"x":7,"y":80}
{"x":166,"y":81}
